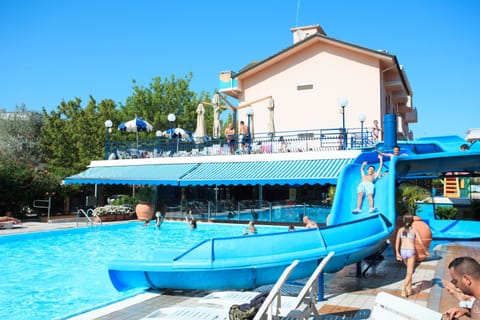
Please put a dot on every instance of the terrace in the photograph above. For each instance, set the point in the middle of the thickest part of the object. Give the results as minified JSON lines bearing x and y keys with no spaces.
{"x":312,"y":140}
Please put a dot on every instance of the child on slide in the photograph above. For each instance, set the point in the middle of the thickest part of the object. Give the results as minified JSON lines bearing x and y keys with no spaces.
{"x":367,"y":186}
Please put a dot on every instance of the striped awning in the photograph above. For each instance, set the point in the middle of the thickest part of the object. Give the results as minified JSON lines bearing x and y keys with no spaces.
{"x":319,"y":171}
{"x":153,"y":174}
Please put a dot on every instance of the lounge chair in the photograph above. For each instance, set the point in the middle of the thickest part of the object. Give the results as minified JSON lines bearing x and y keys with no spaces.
{"x":300,"y":307}
{"x":187,"y":313}
{"x":391,"y":307}
{"x":305,"y":302}
{"x":6,"y":224}
{"x":217,"y":311}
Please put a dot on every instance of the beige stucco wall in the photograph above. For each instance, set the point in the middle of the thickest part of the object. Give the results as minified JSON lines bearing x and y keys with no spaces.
{"x":334,"y":73}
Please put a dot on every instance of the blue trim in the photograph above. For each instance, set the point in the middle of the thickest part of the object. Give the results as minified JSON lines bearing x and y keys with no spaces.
{"x":283,"y":172}
{"x":266,"y":172}
{"x":159,"y":174}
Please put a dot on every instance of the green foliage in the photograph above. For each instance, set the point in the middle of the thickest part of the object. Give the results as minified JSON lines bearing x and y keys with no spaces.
{"x":21,"y":184}
{"x":125,"y":200}
{"x":145,"y":194}
{"x":331,"y":194}
{"x":162,"y":97}
{"x":72,"y":136}
{"x":407,"y":196}
{"x":446,"y":212}
{"x":20,"y":135}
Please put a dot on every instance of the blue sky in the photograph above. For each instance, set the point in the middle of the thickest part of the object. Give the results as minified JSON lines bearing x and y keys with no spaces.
{"x":61,"y":49}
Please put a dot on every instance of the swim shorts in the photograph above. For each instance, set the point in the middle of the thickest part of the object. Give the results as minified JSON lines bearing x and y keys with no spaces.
{"x":366,"y":187}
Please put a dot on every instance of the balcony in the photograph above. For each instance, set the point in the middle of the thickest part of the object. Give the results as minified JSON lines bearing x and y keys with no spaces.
{"x":315,"y":140}
{"x":228,"y":84}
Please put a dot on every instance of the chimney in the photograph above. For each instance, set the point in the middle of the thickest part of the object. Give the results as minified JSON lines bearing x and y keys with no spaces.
{"x":300,"y":33}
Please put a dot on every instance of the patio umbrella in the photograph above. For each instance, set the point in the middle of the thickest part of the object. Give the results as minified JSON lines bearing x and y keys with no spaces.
{"x":179,"y":133}
{"x":271,"y":123}
{"x":135,"y":125}
{"x":216,"y":115}
{"x":200,"y":132}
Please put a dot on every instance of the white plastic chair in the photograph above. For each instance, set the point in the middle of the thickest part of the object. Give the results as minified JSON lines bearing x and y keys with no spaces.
{"x":391,"y":307}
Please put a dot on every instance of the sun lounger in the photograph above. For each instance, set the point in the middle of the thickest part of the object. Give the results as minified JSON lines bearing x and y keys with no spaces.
{"x":305,"y":302}
{"x":300,"y":307}
{"x":215,"y":311}
{"x":187,"y":313}
{"x":6,"y":225}
{"x":391,"y":307}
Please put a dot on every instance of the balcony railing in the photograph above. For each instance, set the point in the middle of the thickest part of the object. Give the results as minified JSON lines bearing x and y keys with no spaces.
{"x":286,"y":141}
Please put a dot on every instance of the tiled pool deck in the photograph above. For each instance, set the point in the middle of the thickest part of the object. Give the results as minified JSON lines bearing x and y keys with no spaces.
{"x":346,"y":295}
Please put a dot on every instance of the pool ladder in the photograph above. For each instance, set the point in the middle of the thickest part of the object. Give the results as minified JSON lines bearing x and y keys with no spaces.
{"x":90,"y":221}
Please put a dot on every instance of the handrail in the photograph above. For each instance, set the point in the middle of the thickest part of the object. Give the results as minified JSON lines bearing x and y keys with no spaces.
{"x":85,"y":214}
{"x":329,"y":139}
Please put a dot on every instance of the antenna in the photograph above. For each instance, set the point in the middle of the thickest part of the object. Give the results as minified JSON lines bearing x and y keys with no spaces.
{"x":298,"y":12}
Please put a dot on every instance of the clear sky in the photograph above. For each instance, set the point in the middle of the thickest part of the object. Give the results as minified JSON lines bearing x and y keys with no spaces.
{"x":61,"y":49}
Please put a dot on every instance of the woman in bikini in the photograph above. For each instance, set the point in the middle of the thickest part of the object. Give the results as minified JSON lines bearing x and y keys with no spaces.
{"x":405,"y":250}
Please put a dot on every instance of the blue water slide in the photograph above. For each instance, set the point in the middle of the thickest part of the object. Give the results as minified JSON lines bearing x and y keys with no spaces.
{"x":246,"y":262}
{"x":346,"y":195}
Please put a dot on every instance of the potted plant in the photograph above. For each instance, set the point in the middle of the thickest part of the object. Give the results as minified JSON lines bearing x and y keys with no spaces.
{"x":144,"y":207}
{"x":407,"y":198}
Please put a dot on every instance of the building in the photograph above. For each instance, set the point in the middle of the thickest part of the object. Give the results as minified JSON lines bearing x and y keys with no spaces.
{"x":315,"y":77}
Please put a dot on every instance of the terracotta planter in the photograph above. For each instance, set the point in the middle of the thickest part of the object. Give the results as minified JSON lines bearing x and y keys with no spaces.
{"x":422,"y":228}
{"x":144,"y":211}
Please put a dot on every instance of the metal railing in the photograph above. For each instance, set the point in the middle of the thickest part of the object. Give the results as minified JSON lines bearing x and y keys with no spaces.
{"x":87,"y":215}
{"x":286,"y":141}
{"x":246,"y":210}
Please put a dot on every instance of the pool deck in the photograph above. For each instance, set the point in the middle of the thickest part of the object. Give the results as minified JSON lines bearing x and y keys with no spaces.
{"x":346,"y":295}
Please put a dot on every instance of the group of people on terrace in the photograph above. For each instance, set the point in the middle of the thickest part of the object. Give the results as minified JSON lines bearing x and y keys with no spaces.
{"x":244,"y":137}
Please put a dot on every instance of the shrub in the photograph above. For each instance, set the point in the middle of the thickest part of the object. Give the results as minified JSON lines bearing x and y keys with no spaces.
{"x":446,"y":212}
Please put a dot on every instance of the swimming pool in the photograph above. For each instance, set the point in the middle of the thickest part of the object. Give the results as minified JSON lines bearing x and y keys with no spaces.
{"x":50,"y":275}
{"x":293,"y":214}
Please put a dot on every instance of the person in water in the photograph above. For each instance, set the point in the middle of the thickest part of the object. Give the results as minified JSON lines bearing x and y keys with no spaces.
{"x":191,"y":220}
{"x":406,"y":252}
{"x":250,"y":229}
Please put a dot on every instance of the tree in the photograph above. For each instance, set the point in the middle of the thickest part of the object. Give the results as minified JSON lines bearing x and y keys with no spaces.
{"x":21,"y":184}
{"x":162,"y":97}
{"x":72,"y":136}
{"x":20,"y":135}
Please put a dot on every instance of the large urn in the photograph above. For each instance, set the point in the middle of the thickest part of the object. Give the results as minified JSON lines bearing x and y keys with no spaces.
{"x":144,"y":211}
{"x":423,"y":229}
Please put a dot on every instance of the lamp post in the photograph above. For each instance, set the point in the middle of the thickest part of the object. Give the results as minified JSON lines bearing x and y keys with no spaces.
{"x":171,"y":120}
{"x":249,"y":112}
{"x":158,"y":134}
{"x":343,"y":104}
{"x":108,"y":125}
{"x":361,"y":118}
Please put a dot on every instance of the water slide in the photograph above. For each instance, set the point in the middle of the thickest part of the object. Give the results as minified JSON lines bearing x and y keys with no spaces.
{"x":246,"y":262}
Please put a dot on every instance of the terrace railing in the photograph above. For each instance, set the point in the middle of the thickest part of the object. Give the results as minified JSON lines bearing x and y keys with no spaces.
{"x":286,"y":141}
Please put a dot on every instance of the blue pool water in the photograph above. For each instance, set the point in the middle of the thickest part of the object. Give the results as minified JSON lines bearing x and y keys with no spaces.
{"x":292,"y":214}
{"x":51,"y":275}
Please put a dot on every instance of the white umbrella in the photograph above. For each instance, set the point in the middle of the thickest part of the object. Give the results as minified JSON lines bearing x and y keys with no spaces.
{"x":178,"y":133}
{"x":200,"y":131}
{"x":216,"y":115}
{"x":271,"y":123}
{"x":135,"y":125}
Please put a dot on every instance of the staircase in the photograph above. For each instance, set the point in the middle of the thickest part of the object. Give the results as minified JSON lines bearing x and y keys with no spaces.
{"x":451,"y":188}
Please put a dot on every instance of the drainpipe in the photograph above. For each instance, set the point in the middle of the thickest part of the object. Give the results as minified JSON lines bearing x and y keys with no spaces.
{"x":390,"y":131}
